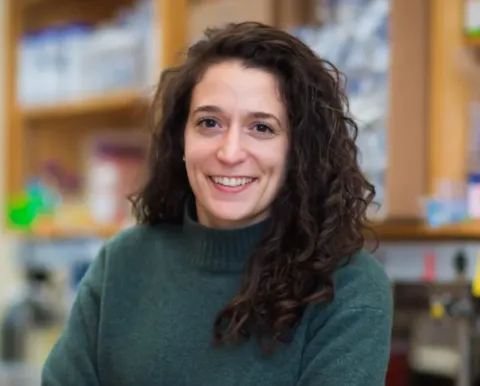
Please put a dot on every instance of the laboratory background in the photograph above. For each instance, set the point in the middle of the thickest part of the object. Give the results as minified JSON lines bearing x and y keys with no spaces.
{"x":77,"y":77}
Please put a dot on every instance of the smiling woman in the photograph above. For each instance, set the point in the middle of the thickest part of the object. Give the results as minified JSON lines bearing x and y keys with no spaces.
{"x":247,"y":264}
{"x":235,"y":156}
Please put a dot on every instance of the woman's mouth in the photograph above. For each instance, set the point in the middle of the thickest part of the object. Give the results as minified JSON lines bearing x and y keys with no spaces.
{"x":232,"y":181}
{"x":230,"y":184}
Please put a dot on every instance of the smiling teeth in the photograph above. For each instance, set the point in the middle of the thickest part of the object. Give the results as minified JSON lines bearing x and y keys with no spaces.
{"x":232,"y":181}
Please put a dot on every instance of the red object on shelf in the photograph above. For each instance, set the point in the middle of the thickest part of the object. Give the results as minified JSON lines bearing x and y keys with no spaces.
{"x":398,"y":370}
{"x":429,"y":266}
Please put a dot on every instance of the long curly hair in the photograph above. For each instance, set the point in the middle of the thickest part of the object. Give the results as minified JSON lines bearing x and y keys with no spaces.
{"x":319,"y":215}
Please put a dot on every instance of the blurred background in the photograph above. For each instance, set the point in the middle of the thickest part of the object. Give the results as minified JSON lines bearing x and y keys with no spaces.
{"x":77,"y":77}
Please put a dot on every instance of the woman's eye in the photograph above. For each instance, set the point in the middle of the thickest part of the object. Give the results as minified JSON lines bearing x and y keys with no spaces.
{"x":262,"y":128}
{"x":208,"y":123}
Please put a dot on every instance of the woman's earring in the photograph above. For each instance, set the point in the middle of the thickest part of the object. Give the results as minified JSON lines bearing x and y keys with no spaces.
{"x":183,"y":158}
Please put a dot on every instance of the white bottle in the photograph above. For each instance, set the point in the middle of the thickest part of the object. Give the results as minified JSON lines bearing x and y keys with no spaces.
{"x":103,"y":202}
{"x":152,"y":39}
{"x":62,"y":64}
{"x":74,"y":41}
{"x":96,"y":66}
{"x":25,"y":76}
{"x":472,"y":17}
{"x":37,"y":70}
{"x":113,"y":61}
{"x":49,"y":69}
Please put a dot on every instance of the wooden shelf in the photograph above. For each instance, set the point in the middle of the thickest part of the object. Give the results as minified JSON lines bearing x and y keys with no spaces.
{"x":103,"y":232}
{"x":437,"y":36}
{"x":388,"y":231}
{"x":472,"y":41}
{"x":99,"y":104}
{"x":404,"y":231}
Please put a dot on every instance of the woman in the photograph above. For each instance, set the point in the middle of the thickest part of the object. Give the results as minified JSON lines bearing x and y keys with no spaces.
{"x":247,"y":266}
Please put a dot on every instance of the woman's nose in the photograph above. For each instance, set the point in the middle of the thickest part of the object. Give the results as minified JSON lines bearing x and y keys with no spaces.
{"x":231,"y":150}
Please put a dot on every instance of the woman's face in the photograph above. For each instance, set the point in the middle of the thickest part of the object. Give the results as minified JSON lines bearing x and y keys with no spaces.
{"x":236,"y":144}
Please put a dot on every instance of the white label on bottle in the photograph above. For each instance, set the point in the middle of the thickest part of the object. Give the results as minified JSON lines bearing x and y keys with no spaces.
{"x":474,"y":201}
{"x":472,"y":15}
{"x":103,"y":208}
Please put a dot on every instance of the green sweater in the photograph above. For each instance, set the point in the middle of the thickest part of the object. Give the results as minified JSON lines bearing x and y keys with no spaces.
{"x":145,"y":309}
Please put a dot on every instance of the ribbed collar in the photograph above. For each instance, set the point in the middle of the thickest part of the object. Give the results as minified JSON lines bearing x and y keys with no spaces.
{"x":224,"y":250}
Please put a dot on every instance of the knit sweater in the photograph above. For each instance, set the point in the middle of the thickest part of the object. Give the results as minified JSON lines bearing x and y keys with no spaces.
{"x":145,"y":310}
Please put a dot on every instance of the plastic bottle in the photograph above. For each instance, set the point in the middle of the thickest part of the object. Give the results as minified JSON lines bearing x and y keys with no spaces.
{"x":73,"y":42}
{"x":26,"y":68}
{"x":473,"y":178}
{"x":49,"y":60}
{"x":472,"y":17}
{"x":35,"y":69}
{"x":146,"y":15}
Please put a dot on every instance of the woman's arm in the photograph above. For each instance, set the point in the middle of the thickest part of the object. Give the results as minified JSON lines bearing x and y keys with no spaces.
{"x":351,"y":348}
{"x":73,"y":359}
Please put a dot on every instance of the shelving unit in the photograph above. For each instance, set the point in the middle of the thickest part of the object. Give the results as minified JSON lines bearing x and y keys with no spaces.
{"x":449,"y":97}
{"x":100,"y":232}
{"x":472,"y":41}
{"x":59,"y":130}
{"x":103,"y":104}
{"x":427,"y":98}
{"x":418,"y":231}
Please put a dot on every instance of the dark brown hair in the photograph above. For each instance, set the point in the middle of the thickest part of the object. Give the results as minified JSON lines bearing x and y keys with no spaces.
{"x":319,"y":214}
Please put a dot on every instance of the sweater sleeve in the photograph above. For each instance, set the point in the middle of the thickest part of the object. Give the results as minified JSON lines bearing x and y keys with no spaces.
{"x":73,"y":359}
{"x":351,"y":348}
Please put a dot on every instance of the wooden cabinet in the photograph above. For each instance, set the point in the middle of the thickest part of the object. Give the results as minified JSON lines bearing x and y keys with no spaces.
{"x":37,"y":133}
{"x":428,"y":97}
{"x":449,"y":98}
{"x":56,"y":130}
{"x":407,"y":127}
{"x":448,"y":94}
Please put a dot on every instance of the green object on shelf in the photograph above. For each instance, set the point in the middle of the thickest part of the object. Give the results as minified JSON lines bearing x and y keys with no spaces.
{"x":473,"y":33}
{"x":22,"y":211}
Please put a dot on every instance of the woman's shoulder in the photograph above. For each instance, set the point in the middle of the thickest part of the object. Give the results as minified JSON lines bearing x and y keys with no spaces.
{"x":362,"y":282}
{"x":361,"y":288}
